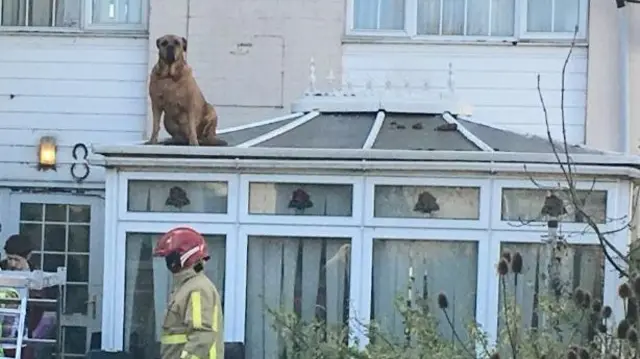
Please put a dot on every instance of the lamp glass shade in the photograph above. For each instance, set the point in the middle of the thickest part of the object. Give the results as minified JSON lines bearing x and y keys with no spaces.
{"x":47,"y":152}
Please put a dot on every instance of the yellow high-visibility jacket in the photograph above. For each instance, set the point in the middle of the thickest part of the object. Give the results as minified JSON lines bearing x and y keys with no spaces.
{"x":192,"y":327}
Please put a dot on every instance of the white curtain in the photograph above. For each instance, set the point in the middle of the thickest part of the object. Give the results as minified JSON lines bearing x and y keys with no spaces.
{"x":152,"y":196}
{"x":437,"y":267}
{"x":379,"y":14}
{"x":40,"y":13}
{"x":525,"y":205}
{"x":13,"y":12}
{"x":583,"y":266}
{"x":483,"y":17}
{"x":117,"y":11}
{"x":454,"y":202}
{"x":274,"y":198}
{"x":308,"y":276}
{"x":553,"y":15}
{"x":147,"y":287}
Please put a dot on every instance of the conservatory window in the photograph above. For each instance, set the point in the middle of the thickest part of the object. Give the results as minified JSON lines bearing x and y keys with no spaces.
{"x":177,"y":196}
{"x":534,"y":205}
{"x":308,"y":276}
{"x":300,"y":199}
{"x":426,"y":268}
{"x":583,"y":267}
{"x":440,"y":202}
{"x":147,"y":288}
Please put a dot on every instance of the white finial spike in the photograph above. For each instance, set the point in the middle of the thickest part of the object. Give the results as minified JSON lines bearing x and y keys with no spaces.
{"x":451,"y":83}
{"x":312,"y":75}
{"x":330,"y":80}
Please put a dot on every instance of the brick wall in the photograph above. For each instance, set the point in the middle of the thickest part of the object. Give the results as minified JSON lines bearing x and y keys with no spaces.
{"x":251,"y":57}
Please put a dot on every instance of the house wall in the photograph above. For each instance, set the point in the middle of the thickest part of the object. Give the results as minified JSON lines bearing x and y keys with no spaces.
{"x":498,"y":83}
{"x":604,"y":91}
{"x":79,"y":89}
{"x":252,"y":59}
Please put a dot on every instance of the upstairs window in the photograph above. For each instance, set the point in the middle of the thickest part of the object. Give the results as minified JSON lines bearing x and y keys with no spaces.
{"x":73,"y":15}
{"x":470,"y":19}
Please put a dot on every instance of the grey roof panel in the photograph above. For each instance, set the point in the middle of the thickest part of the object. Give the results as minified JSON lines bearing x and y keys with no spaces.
{"x":508,"y":141}
{"x":420,"y":132}
{"x":237,"y":137}
{"x":327,"y":130}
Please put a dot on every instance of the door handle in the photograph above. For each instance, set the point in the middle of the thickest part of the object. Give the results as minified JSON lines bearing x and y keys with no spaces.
{"x":93,"y":301}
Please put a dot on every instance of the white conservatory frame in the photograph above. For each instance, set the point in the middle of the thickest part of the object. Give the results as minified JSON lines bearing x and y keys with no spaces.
{"x":487,"y":231}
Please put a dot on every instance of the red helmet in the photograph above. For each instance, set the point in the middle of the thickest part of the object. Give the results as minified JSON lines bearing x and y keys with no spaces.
{"x":185,"y":242}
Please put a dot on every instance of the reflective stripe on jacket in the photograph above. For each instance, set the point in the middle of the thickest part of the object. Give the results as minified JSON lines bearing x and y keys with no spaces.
{"x":193,"y":327}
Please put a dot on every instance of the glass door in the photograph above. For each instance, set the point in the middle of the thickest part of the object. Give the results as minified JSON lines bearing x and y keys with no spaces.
{"x":66,"y":230}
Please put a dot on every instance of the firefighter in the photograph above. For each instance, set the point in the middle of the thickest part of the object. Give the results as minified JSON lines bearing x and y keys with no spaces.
{"x":192,"y":327}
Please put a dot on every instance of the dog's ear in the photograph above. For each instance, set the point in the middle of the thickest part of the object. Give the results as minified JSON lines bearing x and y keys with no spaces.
{"x":158,"y":42}
{"x":184,"y":44}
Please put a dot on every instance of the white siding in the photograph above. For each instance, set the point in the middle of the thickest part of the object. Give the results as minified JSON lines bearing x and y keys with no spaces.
{"x":499,"y":82}
{"x":78,"y":89}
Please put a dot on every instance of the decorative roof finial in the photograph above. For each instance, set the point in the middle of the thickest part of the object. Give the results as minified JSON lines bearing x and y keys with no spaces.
{"x":330,"y":79}
{"x":451,"y":82}
{"x":312,"y":75}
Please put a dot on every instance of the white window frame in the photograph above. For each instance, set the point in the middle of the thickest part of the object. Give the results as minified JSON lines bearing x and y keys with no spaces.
{"x":611,"y":278}
{"x":566,"y":227}
{"x":356,"y":200}
{"x":86,"y":24}
{"x":520,"y":27}
{"x":113,"y":329}
{"x":356,"y":297}
{"x":232,"y":195}
{"x":484,"y":205}
{"x":484,"y":270}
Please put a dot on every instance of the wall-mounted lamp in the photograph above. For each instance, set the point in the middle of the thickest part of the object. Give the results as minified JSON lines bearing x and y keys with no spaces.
{"x":47,"y":151}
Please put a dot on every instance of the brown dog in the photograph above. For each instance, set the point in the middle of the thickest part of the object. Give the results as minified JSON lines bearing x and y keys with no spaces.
{"x":188,"y":117}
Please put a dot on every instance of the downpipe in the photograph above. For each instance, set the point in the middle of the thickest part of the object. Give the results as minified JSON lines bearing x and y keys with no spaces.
{"x":624,"y":110}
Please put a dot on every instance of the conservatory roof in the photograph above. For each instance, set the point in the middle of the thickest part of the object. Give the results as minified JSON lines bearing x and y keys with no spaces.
{"x":343,"y":128}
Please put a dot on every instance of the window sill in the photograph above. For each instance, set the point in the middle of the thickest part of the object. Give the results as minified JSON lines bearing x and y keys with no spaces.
{"x":65,"y":32}
{"x":404,"y":40}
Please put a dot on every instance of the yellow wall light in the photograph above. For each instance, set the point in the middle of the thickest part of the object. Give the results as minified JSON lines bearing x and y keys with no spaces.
{"x":47,"y":152}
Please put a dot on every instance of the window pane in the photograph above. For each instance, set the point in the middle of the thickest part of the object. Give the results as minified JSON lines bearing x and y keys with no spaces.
{"x":478,"y":17}
{"x":566,"y":15}
{"x":147,"y":286}
{"x":308,"y":276}
{"x":392,"y":14}
{"x":539,"y":15}
{"x":177,"y":197}
{"x":583,"y":267}
{"x":503,"y":17}
{"x":378,"y":14}
{"x":427,"y":202}
{"x":300,"y":199}
{"x":453,"y":17}
{"x":13,"y":12}
{"x":117,"y":12}
{"x":428,"y":17}
{"x":68,"y":13}
{"x":40,"y":12}
{"x":526,"y":205}
{"x":437,"y":267}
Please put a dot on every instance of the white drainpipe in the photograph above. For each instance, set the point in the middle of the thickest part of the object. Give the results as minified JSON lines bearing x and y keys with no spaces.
{"x":623,"y":35}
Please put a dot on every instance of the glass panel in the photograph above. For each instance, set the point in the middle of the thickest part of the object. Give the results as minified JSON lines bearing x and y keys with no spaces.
{"x":55,"y":213}
{"x":308,"y":276}
{"x":378,"y":14}
{"x":436,"y":267}
{"x":534,"y":205}
{"x":583,"y":267}
{"x":78,"y":238}
{"x":427,"y":202}
{"x":80,"y":214}
{"x":177,"y":197}
{"x":31,"y":212}
{"x":307,"y":199}
{"x":76,"y":340}
{"x":76,"y":299}
{"x":147,"y":285}
{"x":117,"y":11}
{"x":33,"y":232}
{"x":55,"y":236}
{"x":539,"y":17}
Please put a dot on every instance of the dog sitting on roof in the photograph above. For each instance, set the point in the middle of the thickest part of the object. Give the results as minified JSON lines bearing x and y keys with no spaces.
{"x":188,"y":117}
